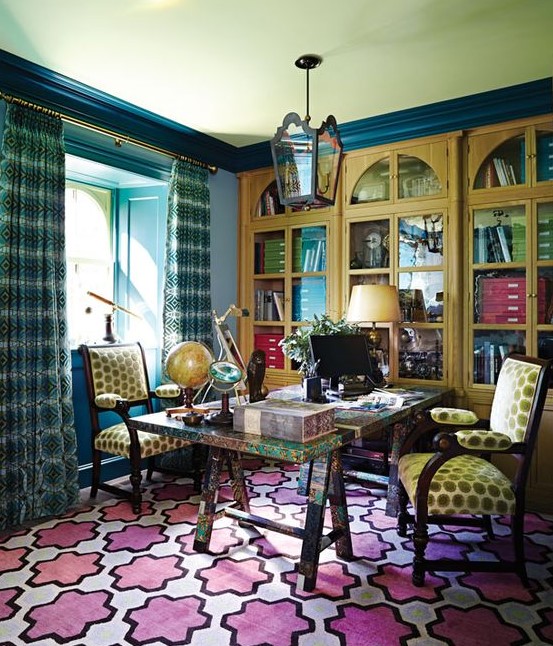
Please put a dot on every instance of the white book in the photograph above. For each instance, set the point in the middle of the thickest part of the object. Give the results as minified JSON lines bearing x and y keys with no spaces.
{"x":503,"y":242}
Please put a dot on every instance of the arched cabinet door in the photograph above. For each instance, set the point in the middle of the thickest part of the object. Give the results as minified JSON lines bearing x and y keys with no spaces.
{"x":499,"y":160}
{"x":374,"y":183}
{"x":268,"y":202}
{"x":414,"y":173}
{"x":512,"y":158}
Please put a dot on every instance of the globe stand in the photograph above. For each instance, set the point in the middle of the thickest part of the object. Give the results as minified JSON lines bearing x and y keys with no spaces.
{"x":223,"y":417}
{"x":189,"y":397}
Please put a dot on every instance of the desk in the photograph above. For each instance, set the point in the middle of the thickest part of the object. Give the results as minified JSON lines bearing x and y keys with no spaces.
{"x":321,"y":455}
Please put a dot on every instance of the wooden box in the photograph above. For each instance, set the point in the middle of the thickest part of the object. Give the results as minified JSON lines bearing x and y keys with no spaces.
{"x":285,"y":419}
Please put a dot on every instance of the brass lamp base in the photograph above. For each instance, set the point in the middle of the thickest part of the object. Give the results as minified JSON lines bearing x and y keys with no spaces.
{"x":374,"y":336}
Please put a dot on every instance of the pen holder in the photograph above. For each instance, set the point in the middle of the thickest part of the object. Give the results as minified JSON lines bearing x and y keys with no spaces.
{"x":312,"y":389}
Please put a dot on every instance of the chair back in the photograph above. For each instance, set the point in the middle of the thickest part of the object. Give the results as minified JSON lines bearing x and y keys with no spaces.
{"x":519,"y":398}
{"x":118,"y":368}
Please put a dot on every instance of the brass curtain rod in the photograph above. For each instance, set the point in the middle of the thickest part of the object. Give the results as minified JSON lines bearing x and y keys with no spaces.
{"x":118,"y":138}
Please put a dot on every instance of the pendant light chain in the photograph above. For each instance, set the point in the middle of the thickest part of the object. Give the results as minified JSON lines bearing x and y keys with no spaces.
{"x":307,"y":115}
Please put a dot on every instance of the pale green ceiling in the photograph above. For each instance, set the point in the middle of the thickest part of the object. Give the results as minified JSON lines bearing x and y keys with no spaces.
{"x":226,"y":67}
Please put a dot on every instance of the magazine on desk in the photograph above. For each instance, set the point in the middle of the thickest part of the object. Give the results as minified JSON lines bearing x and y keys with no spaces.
{"x":379,"y":399}
{"x":353,"y":414}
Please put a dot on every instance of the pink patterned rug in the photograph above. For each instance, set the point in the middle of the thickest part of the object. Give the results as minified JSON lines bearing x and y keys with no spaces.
{"x":99,"y":576}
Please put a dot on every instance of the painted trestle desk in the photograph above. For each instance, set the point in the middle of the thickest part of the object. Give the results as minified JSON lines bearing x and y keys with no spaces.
{"x":321,"y":477}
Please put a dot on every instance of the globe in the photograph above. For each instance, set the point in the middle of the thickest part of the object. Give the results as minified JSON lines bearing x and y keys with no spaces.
{"x":187,"y":364}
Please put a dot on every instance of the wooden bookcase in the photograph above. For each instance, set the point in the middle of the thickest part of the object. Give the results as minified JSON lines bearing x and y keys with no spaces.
{"x":509,"y":266}
{"x":287,"y":269}
{"x":447,"y":193}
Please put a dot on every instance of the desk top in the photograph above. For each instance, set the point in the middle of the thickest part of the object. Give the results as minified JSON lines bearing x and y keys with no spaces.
{"x":351,"y":425}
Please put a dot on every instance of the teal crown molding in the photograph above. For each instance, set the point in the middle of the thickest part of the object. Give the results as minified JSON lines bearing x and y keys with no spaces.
{"x":494,"y":106}
{"x":45,"y":87}
{"x":40,"y":85}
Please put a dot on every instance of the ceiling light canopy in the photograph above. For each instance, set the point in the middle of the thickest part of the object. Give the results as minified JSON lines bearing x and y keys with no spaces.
{"x":307,"y":160}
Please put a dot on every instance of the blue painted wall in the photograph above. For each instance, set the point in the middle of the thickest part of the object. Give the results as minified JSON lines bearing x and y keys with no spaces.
{"x":223,"y":189}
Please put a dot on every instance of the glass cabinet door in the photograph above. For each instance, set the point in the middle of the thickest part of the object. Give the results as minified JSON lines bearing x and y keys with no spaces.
{"x":490,"y":348}
{"x":269,"y":202}
{"x":416,"y":178}
{"x":505,"y":165}
{"x":519,"y":157}
{"x":544,"y":155}
{"x":412,"y":172}
{"x":499,"y":287}
{"x":512,"y":284}
{"x":499,"y":234}
{"x":369,"y":244}
{"x":269,"y":268}
{"x":421,"y":296}
{"x":309,"y":264}
{"x":374,"y":184}
{"x":543,"y":292}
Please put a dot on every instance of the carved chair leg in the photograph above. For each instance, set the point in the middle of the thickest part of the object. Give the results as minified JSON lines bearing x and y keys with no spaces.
{"x":420,"y":541}
{"x":403,"y":516}
{"x":136,"y":479}
{"x":517,"y":529}
{"x":96,"y":462}
{"x":151,"y":468}
{"x":488,"y":526}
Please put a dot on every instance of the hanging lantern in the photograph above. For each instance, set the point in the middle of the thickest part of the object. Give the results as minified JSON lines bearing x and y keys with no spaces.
{"x":307,"y":160}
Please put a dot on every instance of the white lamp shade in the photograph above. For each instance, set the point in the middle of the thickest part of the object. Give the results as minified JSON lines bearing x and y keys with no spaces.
{"x":373,"y":304}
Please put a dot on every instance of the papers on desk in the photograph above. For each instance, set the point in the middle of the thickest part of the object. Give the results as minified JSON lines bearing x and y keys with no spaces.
{"x":380,"y":399}
{"x":406,"y":395}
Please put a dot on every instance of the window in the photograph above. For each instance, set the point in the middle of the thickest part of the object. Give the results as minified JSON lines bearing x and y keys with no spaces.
{"x":89,"y":259}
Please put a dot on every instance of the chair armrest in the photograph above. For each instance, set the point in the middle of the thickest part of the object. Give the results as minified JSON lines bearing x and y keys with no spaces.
{"x":107,"y":400}
{"x":168,"y":391}
{"x":115,"y":403}
{"x":454,"y":416}
{"x":483,"y":440}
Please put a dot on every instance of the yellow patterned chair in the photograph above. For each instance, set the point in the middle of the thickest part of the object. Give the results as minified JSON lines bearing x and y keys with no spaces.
{"x":117,"y":383}
{"x":459,"y":484}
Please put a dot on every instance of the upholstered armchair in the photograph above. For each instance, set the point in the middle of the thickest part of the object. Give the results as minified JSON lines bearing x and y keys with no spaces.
{"x":117,"y":383}
{"x":459,"y":484}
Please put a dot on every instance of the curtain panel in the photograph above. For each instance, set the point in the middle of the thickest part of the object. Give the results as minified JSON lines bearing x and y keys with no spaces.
{"x":187,"y":291}
{"x":38,"y":456}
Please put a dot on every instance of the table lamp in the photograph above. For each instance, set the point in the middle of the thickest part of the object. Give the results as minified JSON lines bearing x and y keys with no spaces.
{"x":374,"y":304}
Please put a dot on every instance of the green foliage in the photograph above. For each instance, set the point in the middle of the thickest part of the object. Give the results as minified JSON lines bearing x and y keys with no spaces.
{"x":296,"y":345}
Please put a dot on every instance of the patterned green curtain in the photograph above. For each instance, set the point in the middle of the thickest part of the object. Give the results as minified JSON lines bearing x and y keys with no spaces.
{"x":187,"y":293}
{"x":38,"y":458}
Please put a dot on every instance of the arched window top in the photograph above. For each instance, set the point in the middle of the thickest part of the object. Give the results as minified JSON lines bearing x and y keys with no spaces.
{"x":87,"y":224}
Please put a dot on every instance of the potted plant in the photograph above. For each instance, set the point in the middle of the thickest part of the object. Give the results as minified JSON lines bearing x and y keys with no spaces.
{"x":296,"y":345}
